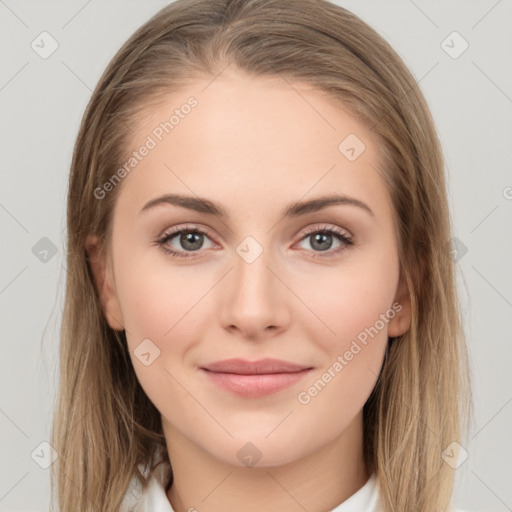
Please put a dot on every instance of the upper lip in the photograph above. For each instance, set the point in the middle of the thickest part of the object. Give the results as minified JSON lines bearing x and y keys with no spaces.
{"x":261,"y":366}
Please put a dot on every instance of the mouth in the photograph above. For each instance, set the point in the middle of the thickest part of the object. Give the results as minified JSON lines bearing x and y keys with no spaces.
{"x":253,"y":379}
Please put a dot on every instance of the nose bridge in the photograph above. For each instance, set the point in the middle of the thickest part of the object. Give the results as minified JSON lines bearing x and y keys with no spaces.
{"x":254,"y":282}
{"x":253,"y":299}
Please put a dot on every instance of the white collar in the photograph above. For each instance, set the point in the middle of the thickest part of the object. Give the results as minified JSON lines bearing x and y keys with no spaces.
{"x":154,"y":499}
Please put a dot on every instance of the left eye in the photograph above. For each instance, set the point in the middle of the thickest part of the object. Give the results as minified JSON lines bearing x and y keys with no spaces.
{"x":321,"y":239}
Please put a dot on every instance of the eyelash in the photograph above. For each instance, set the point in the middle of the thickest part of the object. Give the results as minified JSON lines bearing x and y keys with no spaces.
{"x":337,"y":232}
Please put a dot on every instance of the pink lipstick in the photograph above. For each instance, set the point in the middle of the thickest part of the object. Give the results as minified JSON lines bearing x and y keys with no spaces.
{"x":253,"y":379}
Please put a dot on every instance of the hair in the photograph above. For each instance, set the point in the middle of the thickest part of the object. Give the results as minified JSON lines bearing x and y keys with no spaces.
{"x":104,"y":425}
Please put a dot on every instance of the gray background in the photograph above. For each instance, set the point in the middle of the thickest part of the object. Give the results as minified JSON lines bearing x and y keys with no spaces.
{"x":42,"y":102}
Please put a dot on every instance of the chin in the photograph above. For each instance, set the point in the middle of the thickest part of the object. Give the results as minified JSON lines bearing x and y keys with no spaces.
{"x":259,"y":451}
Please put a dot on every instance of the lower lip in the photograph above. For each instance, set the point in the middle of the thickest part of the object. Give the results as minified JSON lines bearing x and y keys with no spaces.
{"x":254,"y":386}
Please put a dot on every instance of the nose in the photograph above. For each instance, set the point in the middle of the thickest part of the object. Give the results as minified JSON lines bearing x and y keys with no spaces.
{"x":253,"y":299}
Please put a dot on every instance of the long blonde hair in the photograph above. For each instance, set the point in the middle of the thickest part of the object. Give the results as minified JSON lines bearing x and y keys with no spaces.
{"x":104,"y":424}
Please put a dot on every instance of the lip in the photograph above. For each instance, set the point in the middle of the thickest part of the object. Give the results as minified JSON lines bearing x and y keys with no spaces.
{"x":261,"y":366}
{"x":253,"y":379}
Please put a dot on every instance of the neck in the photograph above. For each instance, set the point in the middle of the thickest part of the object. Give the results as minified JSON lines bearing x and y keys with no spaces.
{"x":317,"y":482}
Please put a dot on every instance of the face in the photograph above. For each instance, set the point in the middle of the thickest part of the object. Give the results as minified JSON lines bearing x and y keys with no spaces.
{"x":317,"y":286}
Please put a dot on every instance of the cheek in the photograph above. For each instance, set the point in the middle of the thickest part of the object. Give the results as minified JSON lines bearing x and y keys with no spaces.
{"x":160,"y":307}
{"x":166,"y":305}
{"x":157,"y":297}
{"x":354,"y":306}
{"x":348,"y":301}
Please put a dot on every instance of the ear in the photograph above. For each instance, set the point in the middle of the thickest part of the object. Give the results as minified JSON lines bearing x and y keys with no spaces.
{"x":104,"y":282}
{"x":401,"y":322}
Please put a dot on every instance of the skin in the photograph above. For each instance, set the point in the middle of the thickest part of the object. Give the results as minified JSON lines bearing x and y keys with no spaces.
{"x":254,"y":145}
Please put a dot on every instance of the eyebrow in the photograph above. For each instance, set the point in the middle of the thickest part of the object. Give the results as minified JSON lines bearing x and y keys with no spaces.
{"x":295,"y":209}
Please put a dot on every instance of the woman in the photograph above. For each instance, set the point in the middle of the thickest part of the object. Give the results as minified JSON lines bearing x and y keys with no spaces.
{"x":261,"y":311}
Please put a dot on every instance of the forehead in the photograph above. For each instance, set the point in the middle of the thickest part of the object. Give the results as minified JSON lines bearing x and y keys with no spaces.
{"x":255,"y":139}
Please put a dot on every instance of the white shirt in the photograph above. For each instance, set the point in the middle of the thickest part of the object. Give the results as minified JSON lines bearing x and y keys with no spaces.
{"x":154,"y":498}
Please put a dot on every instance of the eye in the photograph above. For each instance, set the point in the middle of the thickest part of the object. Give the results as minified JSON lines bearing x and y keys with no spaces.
{"x":191,"y":239}
{"x":321,"y":240}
